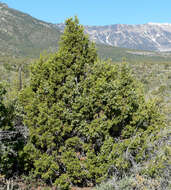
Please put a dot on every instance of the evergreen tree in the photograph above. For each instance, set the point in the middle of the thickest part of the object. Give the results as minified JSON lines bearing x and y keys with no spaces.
{"x":77,"y":108}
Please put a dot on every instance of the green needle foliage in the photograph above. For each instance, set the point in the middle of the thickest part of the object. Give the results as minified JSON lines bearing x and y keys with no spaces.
{"x":77,"y":109}
{"x":5,"y":120}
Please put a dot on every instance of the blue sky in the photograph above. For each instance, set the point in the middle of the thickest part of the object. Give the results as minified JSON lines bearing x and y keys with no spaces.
{"x":96,"y":12}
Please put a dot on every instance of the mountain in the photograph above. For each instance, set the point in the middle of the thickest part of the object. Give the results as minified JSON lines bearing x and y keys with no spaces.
{"x":23,"y":35}
{"x":151,"y":36}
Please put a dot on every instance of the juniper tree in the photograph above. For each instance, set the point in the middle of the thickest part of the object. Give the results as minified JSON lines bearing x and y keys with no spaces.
{"x":77,"y":109}
{"x":54,"y":86}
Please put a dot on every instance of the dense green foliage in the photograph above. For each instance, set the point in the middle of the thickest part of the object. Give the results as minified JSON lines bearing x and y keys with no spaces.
{"x":151,"y":174}
{"x":82,"y":115}
{"x":10,"y":140}
{"x":5,"y":115}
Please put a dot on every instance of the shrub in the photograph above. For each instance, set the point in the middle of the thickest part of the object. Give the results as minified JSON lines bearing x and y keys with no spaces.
{"x":151,"y":174}
{"x":10,"y":139}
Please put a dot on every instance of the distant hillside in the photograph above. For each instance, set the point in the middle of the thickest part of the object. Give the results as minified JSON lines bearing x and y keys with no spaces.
{"x":23,"y":35}
{"x":117,"y":54}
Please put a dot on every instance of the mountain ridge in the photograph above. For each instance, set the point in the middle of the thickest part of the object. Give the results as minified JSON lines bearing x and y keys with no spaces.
{"x":24,"y":35}
{"x":150,"y":36}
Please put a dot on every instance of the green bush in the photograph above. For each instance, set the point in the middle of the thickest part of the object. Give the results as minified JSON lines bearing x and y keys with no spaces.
{"x":10,"y":139}
{"x":82,"y":115}
{"x":152,"y":173}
